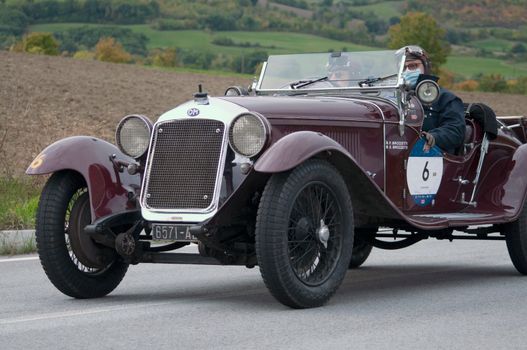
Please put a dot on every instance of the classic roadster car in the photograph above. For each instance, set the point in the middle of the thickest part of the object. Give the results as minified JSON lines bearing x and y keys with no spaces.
{"x":302,"y":174}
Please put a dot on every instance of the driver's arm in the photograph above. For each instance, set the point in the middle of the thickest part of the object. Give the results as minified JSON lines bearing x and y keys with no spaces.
{"x":450,"y":130}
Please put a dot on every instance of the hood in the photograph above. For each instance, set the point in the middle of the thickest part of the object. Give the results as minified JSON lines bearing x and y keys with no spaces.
{"x":314,"y":107}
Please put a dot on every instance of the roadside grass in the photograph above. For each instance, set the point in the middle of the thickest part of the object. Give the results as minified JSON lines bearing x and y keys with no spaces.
{"x":18,"y":202}
{"x":12,"y":246}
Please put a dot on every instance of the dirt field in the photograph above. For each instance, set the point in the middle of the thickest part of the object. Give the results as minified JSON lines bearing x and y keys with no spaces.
{"x":43,"y":99}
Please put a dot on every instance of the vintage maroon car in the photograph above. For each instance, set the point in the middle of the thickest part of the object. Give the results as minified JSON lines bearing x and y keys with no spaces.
{"x":296,"y":177}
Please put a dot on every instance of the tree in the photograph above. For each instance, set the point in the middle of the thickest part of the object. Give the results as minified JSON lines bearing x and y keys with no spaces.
{"x":519,"y":48}
{"x":109,"y":50}
{"x":418,"y":28}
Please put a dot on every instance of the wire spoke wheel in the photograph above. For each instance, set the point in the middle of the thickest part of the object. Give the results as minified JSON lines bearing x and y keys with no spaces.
{"x":77,"y":216}
{"x":70,"y":257}
{"x":314,"y":234}
{"x":516,"y":238}
{"x":304,"y":234}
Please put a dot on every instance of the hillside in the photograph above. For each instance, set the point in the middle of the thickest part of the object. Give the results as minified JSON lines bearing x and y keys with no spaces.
{"x":43,"y":99}
{"x":487,"y":37}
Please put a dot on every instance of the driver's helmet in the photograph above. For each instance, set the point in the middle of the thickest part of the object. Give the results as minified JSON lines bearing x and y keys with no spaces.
{"x":416,"y":52}
{"x":341,"y":65}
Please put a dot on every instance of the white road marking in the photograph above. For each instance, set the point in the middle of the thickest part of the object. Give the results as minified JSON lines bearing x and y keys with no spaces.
{"x":18,"y":259}
{"x":72,"y":313}
{"x":128,"y":306}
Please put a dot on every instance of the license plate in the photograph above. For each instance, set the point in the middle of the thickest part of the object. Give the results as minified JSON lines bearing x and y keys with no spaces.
{"x":172,"y":233}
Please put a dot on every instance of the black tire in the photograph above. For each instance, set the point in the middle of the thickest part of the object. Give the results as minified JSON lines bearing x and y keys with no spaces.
{"x":62,"y":206}
{"x":303,"y":209}
{"x":361,"y":247}
{"x":516,"y":238}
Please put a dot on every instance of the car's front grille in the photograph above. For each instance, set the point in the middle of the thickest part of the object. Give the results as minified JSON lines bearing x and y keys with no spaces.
{"x":183,"y":165}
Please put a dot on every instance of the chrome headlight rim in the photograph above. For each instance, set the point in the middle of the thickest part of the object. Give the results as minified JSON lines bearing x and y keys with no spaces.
{"x":266,"y":133}
{"x":426,"y":85}
{"x":234,"y":90}
{"x":149,"y":126}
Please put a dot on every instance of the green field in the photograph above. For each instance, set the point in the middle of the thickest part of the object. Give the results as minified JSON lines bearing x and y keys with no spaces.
{"x":291,"y":43}
{"x":202,"y":40}
{"x":493,"y":44}
{"x":384,"y":10}
{"x":470,"y":66}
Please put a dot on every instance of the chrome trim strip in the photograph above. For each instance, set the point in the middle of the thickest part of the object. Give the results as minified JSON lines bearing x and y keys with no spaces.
{"x":328,"y":89}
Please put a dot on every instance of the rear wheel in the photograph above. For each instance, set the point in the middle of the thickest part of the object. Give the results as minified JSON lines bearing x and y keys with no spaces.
{"x":76,"y":265}
{"x":516,"y":238}
{"x":361,"y":247}
{"x":304,"y":234}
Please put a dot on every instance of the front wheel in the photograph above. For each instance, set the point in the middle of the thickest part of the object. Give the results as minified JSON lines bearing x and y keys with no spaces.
{"x":304,"y":234}
{"x":516,"y":237}
{"x":75,"y":264}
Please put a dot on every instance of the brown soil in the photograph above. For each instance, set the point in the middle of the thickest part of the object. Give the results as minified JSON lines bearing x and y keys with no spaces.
{"x":43,"y":99}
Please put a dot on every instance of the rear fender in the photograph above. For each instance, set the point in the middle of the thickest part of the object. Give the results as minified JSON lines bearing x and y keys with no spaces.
{"x":90,"y":157}
{"x":290,"y":151}
{"x":514,"y":191}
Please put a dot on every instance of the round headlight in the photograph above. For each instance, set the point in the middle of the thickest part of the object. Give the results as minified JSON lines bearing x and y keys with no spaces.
{"x":236,"y":91}
{"x":427,"y":91}
{"x":248,"y":134}
{"x":133,"y":135}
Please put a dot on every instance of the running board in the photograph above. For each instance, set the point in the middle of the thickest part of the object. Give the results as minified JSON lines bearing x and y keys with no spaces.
{"x":445,"y":220}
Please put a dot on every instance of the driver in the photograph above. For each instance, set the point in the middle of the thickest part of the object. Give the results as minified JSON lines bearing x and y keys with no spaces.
{"x":341,"y":71}
{"x":444,"y":120}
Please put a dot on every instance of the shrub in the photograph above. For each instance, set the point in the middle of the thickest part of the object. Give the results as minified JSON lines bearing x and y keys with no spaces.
{"x":84,"y":55}
{"x":493,"y":83}
{"x":164,"y":58}
{"x":39,"y":43}
{"x":85,"y":37}
{"x":467,"y":85}
{"x":446,"y":78}
{"x":175,"y":24}
{"x":518,"y":86}
{"x":109,"y":50}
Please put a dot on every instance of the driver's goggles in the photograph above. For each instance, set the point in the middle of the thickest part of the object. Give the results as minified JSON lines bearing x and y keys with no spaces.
{"x":412,"y":65}
{"x":414,"y":50}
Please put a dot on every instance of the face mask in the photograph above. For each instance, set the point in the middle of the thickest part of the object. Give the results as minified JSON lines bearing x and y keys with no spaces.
{"x":410,"y":76}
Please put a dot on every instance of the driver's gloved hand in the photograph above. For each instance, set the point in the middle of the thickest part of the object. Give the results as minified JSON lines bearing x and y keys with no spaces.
{"x":430,"y":141}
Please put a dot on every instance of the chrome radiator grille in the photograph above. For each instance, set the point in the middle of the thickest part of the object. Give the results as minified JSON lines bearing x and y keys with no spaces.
{"x":184,"y":164}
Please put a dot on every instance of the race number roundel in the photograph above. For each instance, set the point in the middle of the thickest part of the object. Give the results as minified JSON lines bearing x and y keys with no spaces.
{"x":424,"y":173}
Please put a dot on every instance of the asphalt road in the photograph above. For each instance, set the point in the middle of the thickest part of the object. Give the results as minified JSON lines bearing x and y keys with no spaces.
{"x":433,"y":295}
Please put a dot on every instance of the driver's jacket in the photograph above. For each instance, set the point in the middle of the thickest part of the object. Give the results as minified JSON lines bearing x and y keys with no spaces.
{"x":445,"y":120}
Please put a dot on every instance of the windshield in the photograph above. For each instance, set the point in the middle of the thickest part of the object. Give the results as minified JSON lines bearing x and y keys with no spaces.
{"x":332,"y":70}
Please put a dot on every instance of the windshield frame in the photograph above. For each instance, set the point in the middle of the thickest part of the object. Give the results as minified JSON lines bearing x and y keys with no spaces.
{"x":334,"y":89}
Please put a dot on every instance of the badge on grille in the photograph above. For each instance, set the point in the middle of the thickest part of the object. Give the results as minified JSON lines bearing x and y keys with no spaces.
{"x":193,"y":112}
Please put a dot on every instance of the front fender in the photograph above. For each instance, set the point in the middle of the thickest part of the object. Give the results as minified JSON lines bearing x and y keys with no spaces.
{"x":290,"y":151}
{"x":90,"y":157}
{"x":293,"y":149}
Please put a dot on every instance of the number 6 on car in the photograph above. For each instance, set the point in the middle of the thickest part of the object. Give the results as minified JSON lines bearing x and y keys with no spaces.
{"x":301,"y":175}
